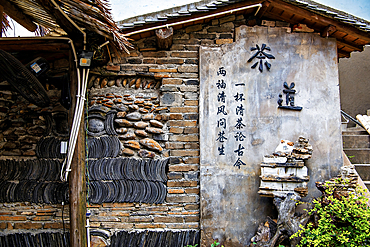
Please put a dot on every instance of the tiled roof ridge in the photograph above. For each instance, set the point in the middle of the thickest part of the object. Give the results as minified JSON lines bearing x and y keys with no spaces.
{"x":180,"y":9}
{"x":329,"y":10}
{"x":206,"y":5}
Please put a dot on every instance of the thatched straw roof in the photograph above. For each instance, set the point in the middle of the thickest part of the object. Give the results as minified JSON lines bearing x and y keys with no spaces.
{"x":65,"y":18}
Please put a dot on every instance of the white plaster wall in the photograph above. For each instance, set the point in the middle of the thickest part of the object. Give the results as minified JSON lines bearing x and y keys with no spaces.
{"x":231,"y":209}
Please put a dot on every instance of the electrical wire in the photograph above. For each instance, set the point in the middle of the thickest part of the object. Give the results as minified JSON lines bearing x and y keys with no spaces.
{"x":81,"y":92}
{"x":87,"y":153}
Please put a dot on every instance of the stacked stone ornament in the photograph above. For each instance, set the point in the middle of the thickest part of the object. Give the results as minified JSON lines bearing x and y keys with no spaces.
{"x":284,"y":171}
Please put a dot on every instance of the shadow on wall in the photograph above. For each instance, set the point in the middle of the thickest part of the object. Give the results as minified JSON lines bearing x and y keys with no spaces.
{"x":354,"y":74}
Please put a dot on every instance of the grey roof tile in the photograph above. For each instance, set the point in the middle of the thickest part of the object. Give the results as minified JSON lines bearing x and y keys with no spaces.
{"x":150,"y":20}
{"x":207,"y":5}
{"x":193,"y":10}
{"x":211,"y":6}
{"x":139,"y":23}
{"x":184,"y":12}
{"x":128,"y":25}
{"x":219,"y":4}
{"x":203,"y":8}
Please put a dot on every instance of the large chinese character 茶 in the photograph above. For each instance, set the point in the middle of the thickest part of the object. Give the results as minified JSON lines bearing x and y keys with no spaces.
{"x":261,"y":54}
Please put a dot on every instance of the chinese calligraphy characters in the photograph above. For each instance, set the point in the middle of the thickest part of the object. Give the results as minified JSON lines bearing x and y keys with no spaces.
{"x":230,"y":95}
{"x":221,"y":110}
{"x":289,"y":98}
{"x":261,"y":54}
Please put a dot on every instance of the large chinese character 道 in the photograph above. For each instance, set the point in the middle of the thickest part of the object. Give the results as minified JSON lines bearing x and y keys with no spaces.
{"x":289,"y":98}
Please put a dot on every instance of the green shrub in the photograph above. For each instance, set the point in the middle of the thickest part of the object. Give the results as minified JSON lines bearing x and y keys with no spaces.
{"x":341,"y":218}
{"x":212,"y":245}
{"x":215,"y":244}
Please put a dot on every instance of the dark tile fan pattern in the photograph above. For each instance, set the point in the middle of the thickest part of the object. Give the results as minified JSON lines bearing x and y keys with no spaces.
{"x":50,"y":239}
{"x":155,"y":238}
{"x":36,"y":181}
{"x":127,"y":180}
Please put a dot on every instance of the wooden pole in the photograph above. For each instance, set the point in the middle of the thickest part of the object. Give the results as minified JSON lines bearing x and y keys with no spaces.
{"x":77,"y":178}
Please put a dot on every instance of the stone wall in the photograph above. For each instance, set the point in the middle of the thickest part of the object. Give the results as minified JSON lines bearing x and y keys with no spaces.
{"x":170,"y":81}
{"x":17,"y":217}
{"x":30,"y":163}
{"x":149,"y":124}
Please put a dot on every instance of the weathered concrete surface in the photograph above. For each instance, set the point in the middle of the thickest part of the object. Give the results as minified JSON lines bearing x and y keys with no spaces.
{"x":354,"y":75}
{"x":231,"y":209}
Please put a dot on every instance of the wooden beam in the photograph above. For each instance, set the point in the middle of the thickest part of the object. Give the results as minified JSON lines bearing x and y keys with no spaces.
{"x":265,"y":6}
{"x":77,"y":177}
{"x":39,"y":47}
{"x":34,"y":44}
{"x":289,"y":19}
{"x":16,"y":14}
{"x":351,"y":46}
{"x":343,"y":54}
{"x":321,"y":19}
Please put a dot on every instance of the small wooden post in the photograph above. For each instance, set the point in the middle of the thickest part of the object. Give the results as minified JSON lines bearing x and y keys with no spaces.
{"x":77,"y":179}
{"x":328,"y":30}
{"x":164,"y":37}
{"x":1,"y":20}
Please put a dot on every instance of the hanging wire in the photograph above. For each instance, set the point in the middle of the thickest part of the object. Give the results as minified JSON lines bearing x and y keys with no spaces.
{"x":87,"y":149}
{"x":64,"y":228}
